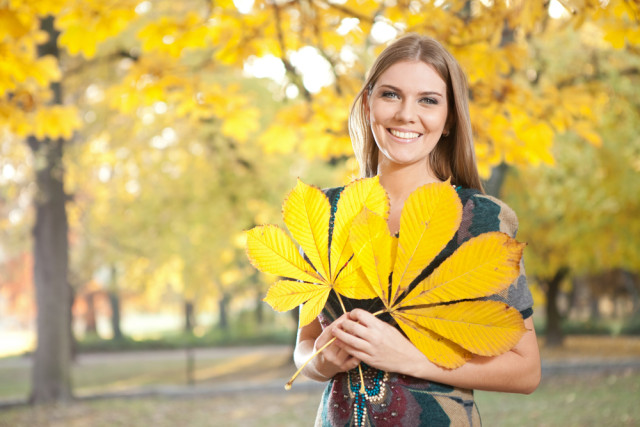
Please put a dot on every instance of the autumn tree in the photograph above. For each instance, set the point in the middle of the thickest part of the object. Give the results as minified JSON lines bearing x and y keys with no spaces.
{"x":580,"y":216}
{"x":164,"y":62}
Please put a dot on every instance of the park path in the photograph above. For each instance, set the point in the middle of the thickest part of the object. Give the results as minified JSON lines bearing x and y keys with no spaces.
{"x":204,"y":353}
{"x":265,"y":369}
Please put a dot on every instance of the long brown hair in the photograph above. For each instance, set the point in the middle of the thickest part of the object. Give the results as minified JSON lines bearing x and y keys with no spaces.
{"x":454,"y":155}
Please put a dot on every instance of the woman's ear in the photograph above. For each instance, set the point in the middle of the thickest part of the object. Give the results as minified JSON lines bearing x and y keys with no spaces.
{"x":365,"y":103}
{"x":450,"y":123}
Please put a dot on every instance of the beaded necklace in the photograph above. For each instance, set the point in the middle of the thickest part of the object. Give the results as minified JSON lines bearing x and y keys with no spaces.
{"x":375,"y":393}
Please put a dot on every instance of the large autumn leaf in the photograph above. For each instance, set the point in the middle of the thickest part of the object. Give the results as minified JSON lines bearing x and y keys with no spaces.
{"x":306,"y":213}
{"x":443,"y":315}
{"x":429,"y":219}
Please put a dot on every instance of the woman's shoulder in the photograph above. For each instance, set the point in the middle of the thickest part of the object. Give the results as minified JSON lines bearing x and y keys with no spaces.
{"x":333,"y":194}
{"x":332,"y":191}
{"x":483,"y":213}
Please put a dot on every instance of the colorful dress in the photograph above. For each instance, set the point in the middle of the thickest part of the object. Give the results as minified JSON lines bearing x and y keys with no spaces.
{"x":393,"y":399}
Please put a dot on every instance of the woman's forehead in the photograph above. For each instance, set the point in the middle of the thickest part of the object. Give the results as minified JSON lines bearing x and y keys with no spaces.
{"x":412,"y":75}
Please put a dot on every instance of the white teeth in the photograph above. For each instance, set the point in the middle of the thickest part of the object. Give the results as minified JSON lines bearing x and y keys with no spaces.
{"x":404,"y":135}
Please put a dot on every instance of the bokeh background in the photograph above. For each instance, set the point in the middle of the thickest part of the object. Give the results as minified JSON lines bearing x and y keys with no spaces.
{"x":139,"y":139}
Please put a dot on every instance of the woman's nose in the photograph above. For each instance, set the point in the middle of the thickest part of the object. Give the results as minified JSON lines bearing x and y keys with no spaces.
{"x":406,"y":112}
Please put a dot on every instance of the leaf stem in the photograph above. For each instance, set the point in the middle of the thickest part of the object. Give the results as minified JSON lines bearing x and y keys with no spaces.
{"x":287,"y":386}
{"x":344,"y":310}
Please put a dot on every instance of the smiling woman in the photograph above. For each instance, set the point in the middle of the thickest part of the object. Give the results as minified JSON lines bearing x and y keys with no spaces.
{"x":407,"y":113}
{"x":407,"y":110}
{"x":410,"y":126}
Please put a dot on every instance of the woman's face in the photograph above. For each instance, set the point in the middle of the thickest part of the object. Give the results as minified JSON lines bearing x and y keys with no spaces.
{"x":407,"y":110}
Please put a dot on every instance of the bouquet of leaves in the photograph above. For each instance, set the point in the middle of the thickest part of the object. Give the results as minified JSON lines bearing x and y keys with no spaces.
{"x":444,"y":315}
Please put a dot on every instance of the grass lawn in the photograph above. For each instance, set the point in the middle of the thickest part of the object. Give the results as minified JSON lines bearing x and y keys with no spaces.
{"x":563,"y":401}
{"x":567,"y":400}
{"x":117,"y":372}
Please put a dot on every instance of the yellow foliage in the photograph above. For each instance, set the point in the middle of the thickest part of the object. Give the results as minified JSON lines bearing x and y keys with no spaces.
{"x":441,"y":315}
{"x":587,"y":131}
{"x":20,"y":67}
{"x":279,"y":138}
{"x":316,"y":130}
{"x":150,"y":80}
{"x":306,"y":213}
{"x":54,"y":122}
{"x":430,"y":216}
{"x":239,"y":37}
{"x":486,"y":329}
{"x":619,"y":23}
{"x":371,"y":237}
{"x":283,"y":135}
{"x":363,"y":192}
{"x":38,"y":7}
{"x":104,"y":19}
{"x":493,"y":43}
{"x":171,"y":35}
{"x":271,"y":251}
{"x":365,"y":7}
{"x":14,"y":25}
{"x":240,"y":119}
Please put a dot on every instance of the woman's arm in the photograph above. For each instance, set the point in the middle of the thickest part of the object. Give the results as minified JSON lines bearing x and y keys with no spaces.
{"x":330,"y":361}
{"x":379,"y":344}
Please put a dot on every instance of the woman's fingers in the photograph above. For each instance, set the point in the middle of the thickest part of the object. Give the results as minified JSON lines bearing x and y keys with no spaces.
{"x":340,"y":358}
{"x":354,"y":328}
{"x":351,"y":340}
{"x":363,"y":317}
{"x":355,"y":353}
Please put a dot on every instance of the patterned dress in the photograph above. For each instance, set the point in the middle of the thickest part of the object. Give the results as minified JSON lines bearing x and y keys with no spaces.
{"x":392,"y":399}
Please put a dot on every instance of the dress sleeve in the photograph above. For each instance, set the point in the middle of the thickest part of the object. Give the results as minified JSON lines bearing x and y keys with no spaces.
{"x":481,"y":214}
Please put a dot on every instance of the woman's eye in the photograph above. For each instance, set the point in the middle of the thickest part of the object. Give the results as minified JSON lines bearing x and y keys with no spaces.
{"x":389,"y":94}
{"x":428,"y":100}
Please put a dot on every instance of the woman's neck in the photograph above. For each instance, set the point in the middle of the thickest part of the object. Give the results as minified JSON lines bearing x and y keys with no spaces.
{"x":399,"y":181}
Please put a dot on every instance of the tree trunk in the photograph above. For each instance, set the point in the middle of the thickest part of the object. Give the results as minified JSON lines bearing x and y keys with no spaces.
{"x":72,"y":338}
{"x":594,"y":307}
{"x":90,"y":315}
{"x":189,"y":317}
{"x":259,"y":308}
{"x":493,"y":185}
{"x":51,"y":376}
{"x":554,"y":334}
{"x":223,"y":302}
{"x":629,"y":280}
{"x":114,"y":300}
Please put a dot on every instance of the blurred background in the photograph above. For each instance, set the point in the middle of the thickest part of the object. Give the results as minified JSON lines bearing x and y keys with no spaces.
{"x":139,"y":139}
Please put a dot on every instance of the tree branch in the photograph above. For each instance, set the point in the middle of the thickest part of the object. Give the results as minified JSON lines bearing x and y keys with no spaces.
{"x":631,"y":71}
{"x":349,"y":12}
{"x":290,"y":69}
{"x":101,"y":60}
{"x":323,"y":52}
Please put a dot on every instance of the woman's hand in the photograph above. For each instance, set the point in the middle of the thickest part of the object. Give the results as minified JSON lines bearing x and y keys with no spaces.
{"x":334,"y":358}
{"x":331,"y":360}
{"x":382,"y":346}
{"x":367,"y":338}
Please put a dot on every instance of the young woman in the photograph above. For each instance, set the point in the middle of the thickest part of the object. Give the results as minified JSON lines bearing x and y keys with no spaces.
{"x":410,"y":126}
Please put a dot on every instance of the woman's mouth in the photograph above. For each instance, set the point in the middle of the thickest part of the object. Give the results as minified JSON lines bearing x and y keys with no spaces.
{"x":403,"y":134}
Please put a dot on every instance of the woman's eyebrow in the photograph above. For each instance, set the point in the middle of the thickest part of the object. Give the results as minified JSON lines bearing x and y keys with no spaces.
{"x":424,"y":93}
